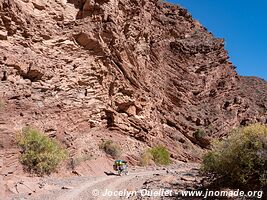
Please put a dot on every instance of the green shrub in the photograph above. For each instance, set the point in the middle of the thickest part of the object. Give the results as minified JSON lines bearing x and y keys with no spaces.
{"x":111,"y":148}
{"x":241,"y":158}
{"x":40,"y":154}
{"x":160,"y":155}
{"x":199,"y":133}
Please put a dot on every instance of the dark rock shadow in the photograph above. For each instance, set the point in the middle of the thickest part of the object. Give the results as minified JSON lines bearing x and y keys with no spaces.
{"x":78,"y":4}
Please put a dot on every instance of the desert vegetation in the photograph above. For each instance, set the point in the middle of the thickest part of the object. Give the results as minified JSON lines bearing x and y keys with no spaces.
{"x":111,"y":148}
{"x":40,"y":154}
{"x":78,"y":160}
{"x":158,"y":154}
{"x":146,"y":158}
{"x":241,"y":159}
{"x":199,"y":133}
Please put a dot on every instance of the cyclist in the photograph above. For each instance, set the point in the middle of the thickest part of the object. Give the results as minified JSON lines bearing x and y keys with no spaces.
{"x":120,"y":166}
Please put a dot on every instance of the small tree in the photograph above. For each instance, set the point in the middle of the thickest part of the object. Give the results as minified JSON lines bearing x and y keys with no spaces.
{"x":40,"y":154}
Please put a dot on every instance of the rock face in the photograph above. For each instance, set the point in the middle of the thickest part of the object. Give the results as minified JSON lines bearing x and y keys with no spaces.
{"x":140,"y":72}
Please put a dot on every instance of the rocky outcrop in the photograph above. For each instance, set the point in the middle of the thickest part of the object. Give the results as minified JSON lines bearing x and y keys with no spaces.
{"x":138,"y":71}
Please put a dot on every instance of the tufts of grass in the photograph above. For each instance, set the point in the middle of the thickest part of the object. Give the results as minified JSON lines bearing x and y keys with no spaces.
{"x":76,"y":161}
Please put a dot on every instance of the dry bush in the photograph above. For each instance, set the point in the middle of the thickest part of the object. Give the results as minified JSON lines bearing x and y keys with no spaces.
{"x":40,"y":154}
{"x":111,"y":148}
{"x":241,"y":158}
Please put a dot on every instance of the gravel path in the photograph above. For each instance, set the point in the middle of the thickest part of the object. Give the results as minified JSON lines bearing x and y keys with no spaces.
{"x":99,"y":186}
{"x":95,"y":188}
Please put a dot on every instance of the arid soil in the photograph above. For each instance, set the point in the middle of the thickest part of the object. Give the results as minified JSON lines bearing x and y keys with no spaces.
{"x":94,"y":188}
{"x":139,"y":72}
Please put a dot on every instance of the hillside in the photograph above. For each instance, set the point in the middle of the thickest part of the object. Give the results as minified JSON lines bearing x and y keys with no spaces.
{"x":140,"y":72}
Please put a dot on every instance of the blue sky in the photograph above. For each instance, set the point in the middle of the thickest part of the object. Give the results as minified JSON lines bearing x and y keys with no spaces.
{"x":243,"y":25}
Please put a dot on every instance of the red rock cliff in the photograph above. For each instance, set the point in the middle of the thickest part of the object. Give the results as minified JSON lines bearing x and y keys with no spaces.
{"x":138,"y":71}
